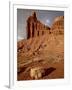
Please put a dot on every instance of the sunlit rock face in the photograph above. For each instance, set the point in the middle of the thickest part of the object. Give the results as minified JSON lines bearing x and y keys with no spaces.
{"x":35,"y":27}
{"x":58,"y":25}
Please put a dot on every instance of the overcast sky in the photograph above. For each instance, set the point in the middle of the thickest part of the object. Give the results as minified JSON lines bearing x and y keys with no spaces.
{"x":45,"y":16}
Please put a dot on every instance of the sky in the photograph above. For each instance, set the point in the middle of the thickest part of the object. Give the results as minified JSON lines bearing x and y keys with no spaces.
{"x":45,"y":16}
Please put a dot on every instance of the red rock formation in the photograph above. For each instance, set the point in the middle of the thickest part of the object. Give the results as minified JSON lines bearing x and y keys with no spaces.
{"x":58,"y":25}
{"x":35,"y":27}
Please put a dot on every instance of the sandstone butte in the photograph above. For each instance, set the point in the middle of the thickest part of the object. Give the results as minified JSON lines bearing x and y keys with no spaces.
{"x":43,"y":49}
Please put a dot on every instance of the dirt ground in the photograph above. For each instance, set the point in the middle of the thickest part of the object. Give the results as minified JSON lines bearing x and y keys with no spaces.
{"x":52,"y":71}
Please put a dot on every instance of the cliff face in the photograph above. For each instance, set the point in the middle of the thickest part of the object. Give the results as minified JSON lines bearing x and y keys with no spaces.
{"x":35,"y":27}
{"x":58,"y":25}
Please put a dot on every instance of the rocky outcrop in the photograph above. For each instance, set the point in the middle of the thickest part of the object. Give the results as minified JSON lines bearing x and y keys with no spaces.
{"x":58,"y":25}
{"x":36,"y":72}
{"x":35,"y":27}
